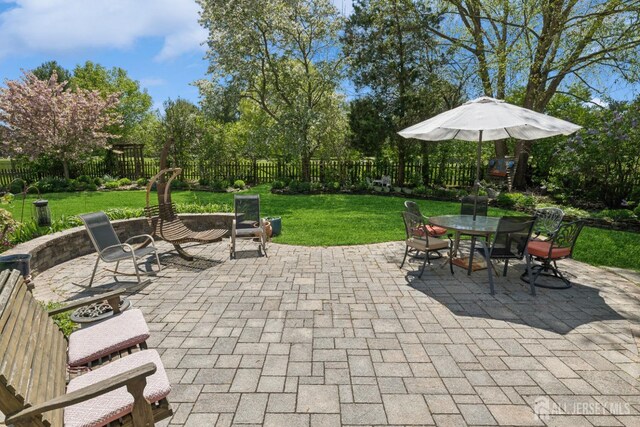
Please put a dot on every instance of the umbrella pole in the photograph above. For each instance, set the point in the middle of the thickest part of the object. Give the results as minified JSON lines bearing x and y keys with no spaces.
{"x":477,"y":189}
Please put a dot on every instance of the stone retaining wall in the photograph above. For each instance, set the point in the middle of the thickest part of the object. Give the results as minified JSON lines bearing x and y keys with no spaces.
{"x":54,"y":249}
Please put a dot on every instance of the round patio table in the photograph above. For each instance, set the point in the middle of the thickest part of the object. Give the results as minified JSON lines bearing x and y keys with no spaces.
{"x":465,"y":224}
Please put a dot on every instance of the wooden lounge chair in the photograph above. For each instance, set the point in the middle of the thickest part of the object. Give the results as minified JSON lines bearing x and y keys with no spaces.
{"x":168,"y":226}
{"x":131,"y":391}
{"x":110,"y":249}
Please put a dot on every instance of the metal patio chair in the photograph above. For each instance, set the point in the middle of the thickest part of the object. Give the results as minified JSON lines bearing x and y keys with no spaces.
{"x":509,"y":242}
{"x":247,"y":223}
{"x":466,"y":208}
{"x":110,"y":249}
{"x":424,"y":242}
{"x":548,"y":222}
{"x":548,"y":252}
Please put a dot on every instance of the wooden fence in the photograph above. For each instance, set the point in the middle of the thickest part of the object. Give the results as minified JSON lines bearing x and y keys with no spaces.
{"x":260,"y":171}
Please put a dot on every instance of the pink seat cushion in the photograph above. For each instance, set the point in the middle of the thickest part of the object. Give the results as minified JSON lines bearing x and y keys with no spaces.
{"x":120,"y":332}
{"x":118,"y":403}
{"x":540,"y":249}
{"x":433,"y":230}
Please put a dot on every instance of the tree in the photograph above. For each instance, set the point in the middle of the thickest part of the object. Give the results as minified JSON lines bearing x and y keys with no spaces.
{"x":369,"y":129}
{"x":390,"y":51}
{"x":134,"y":103}
{"x":181,"y":127}
{"x":544,"y":47}
{"x":45,"y":70}
{"x":602,"y":163}
{"x":281,"y":56}
{"x":39,"y":117}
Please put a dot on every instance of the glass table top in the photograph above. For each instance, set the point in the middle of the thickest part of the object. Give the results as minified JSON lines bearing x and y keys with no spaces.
{"x":482,"y":224}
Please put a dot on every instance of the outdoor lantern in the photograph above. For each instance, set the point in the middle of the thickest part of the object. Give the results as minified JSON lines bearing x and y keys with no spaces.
{"x":41,"y":213}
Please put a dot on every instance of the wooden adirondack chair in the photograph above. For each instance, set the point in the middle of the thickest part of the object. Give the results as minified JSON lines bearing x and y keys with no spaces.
{"x":33,"y":373}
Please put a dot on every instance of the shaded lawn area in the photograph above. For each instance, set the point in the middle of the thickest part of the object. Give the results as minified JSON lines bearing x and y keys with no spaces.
{"x":340,"y":219}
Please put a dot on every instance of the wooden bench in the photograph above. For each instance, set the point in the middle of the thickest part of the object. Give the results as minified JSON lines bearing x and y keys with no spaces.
{"x":33,"y":371}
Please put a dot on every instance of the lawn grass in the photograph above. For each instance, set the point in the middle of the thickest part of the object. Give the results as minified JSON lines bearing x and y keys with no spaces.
{"x":341,"y":219}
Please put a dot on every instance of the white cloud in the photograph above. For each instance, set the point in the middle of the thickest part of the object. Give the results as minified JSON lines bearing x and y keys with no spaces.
{"x":600,"y":102}
{"x":59,"y":26}
{"x":152,"y":81}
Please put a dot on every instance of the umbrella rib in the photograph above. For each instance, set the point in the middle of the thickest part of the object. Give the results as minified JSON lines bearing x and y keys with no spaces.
{"x":508,"y":133}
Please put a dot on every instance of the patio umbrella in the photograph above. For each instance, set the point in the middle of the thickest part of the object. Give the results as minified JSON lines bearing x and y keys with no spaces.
{"x":488,"y":119}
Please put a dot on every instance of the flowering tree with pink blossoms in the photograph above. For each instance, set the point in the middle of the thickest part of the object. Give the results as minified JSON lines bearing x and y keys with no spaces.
{"x":38,"y":117}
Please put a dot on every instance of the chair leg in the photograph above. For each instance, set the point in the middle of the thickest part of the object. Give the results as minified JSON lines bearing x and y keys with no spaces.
{"x":182,"y":253}
{"x":451,"y":259}
{"x":473,"y":248}
{"x":532,"y":284}
{"x":406,"y":251}
{"x":506,"y":266}
{"x":135,"y":267}
{"x":158,"y":261}
{"x":424,"y":264}
{"x":95,"y":268}
{"x":487,"y":259}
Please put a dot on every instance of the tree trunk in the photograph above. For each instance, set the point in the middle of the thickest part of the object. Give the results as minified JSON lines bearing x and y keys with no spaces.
{"x":501,"y":148}
{"x":65,"y":166}
{"x":402,"y":159}
{"x":306,"y":167}
{"x":161,"y":185}
{"x":425,"y":164}
{"x":522,"y":166}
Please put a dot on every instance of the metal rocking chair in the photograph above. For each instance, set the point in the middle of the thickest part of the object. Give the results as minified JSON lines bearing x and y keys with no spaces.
{"x":110,"y":249}
{"x":247,"y":223}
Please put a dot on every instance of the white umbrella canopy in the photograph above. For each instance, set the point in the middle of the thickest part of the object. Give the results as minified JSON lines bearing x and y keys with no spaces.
{"x":489,"y":119}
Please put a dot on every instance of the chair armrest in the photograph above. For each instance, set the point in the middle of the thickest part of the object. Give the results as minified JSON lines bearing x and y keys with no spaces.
{"x":146,"y":236}
{"x":113,"y":296}
{"x":85,"y":393}
{"x":124,"y":246}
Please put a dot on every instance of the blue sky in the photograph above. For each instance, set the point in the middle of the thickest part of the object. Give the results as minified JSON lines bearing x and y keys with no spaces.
{"x":158,"y":42}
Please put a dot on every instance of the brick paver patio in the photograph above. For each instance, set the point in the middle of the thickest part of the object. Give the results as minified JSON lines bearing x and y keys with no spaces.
{"x":342,"y":335}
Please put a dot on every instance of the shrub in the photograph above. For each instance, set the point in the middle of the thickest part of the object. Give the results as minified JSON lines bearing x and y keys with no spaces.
{"x":53,"y":185}
{"x":179,"y":184}
{"x":220,"y":185}
{"x":516,"y":201}
{"x":238,"y":183}
{"x":204,"y":182}
{"x":108,"y":178}
{"x":315,"y":186}
{"x":420,"y":190}
{"x":637,"y":211}
{"x":122,"y":182}
{"x":202,"y":208}
{"x":17,"y":186}
{"x":62,"y":320}
{"x":124,"y":213}
{"x":84,"y":178}
{"x":615,"y":214}
{"x":299,"y":187}
{"x":142,"y":182}
{"x":98,"y":181}
{"x":334,"y":186}
{"x":110,"y":185}
{"x":278,"y":185}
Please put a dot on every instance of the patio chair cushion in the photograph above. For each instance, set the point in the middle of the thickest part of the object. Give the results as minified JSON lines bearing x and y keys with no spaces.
{"x":421,"y":244}
{"x":118,"y":403}
{"x":120,"y":332}
{"x":539,"y":248}
{"x":433,"y":230}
